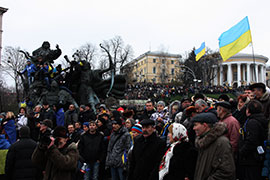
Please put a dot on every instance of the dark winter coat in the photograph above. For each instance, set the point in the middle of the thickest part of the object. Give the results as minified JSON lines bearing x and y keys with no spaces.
{"x":147,"y":114}
{"x":18,"y":163}
{"x":58,"y":164}
{"x":182,"y":163}
{"x":255,"y":132}
{"x":240,"y":115}
{"x":91,"y":147}
{"x":146,"y":157}
{"x":70,"y":117}
{"x":215,"y":158}
{"x":120,"y":142}
{"x":265,"y":100}
{"x":48,"y":114}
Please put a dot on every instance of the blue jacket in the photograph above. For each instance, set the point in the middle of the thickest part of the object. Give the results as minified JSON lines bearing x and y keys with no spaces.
{"x":30,"y":69}
{"x":4,"y":144}
{"x":10,"y":129}
{"x":60,"y":117}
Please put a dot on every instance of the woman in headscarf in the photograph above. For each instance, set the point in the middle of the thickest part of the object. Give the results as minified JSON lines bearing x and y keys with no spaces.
{"x":180,"y":159}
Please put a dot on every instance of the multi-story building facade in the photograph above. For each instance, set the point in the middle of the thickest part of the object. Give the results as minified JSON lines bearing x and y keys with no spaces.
{"x":154,"y":67}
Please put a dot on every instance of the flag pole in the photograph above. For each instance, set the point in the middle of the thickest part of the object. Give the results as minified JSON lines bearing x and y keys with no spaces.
{"x":254,"y":61}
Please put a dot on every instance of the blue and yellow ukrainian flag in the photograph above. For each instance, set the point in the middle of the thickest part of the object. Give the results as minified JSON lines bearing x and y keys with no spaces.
{"x":200,"y":52}
{"x":235,"y":39}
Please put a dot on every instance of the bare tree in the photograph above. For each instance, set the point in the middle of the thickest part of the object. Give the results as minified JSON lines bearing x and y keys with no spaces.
{"x":13,"y":63}
{"x":202,"y":69}
{"x":86,"y":52}
{"x":118,"y":51}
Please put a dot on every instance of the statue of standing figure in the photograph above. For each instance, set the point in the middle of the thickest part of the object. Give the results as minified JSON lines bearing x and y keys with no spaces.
{"x":77,"y":84}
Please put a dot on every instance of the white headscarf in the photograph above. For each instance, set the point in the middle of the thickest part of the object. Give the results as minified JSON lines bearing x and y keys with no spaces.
{"x":179,"y":134}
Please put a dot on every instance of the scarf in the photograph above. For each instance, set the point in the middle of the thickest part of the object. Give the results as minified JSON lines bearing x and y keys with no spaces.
{"x":179,"y":134}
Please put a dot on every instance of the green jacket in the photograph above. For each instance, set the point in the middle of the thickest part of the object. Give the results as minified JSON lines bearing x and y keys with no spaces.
{"x":215,"y":159}
{"x":3,"y":155}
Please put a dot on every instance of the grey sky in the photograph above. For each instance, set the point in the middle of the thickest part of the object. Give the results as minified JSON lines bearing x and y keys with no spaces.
{"x":177,"y":25}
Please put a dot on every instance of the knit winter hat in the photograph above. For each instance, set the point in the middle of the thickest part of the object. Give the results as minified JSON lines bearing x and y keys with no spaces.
{"x":24,"y":132}
{"x":137,"y":128}
{"x":161,"y":103}
{"x":47,"y":122}
{"x":86,"y":124}
{"x":102,"y":120}
{"x":60,"y":131}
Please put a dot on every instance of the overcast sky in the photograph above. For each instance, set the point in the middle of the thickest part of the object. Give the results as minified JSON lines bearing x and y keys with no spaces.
{"x":176,"y":25}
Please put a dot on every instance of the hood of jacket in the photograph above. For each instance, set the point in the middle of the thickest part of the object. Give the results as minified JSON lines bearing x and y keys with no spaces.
{"x":176,"y":102}
{"x":260,"y":118}
{"x":215,"y":132}
{"x":265,"y":96}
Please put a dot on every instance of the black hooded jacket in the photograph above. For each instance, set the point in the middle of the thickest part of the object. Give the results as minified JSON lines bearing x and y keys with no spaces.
{"x":18,"y":162}
{"x":254,"y":133}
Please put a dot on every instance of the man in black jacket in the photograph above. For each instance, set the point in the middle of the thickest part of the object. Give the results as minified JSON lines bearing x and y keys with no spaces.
{"x":149,"y":110}
{"x":18,"y":162}
{"x":147,"y":153}
{"x":47,"y":113}
{"x":91,"y":149}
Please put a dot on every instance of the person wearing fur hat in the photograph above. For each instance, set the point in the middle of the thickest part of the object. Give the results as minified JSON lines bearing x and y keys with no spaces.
{"x":215,"y":158}
{"x":18,"y":163}
{"x":59,"y":159}
{"x":180,"y":150}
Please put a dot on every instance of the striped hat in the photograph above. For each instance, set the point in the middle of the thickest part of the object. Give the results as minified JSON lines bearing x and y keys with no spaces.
{"x":137,"y":128}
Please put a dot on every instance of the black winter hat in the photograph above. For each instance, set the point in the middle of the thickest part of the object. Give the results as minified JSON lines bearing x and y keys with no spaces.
{"x":185,"y":98}
{"x":47,"y":122}
{"x":102,"y":120}
{"x":224,"y":104}
{"x":24,"y":132}
{"x":224,"y":97}
{"x":60,"y":131}
{"x":146,"y":122}
{"x":258,"y":85}
{"x":205,"y":118}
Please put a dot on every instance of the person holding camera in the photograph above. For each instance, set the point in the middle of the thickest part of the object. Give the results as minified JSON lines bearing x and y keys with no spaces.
{"x":58,"y":159}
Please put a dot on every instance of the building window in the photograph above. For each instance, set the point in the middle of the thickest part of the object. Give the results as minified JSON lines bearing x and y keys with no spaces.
{"x":154,"y":70}
{"x":172,"y":71}
{"x":163,"y":61}
{"x":163,"y":71}
{"x":154,"y":60}
{"x":172,"y":61}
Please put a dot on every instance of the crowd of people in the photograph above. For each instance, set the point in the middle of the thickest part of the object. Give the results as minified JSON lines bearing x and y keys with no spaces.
{"x":191,"y":138}
{"x":159,"y":91}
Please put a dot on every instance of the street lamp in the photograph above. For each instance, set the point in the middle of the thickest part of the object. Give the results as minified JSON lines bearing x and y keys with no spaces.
{"x":192,"y":73}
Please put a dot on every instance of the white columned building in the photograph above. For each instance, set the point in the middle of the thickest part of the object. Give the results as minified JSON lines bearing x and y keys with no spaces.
{"x":241,"y":70}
